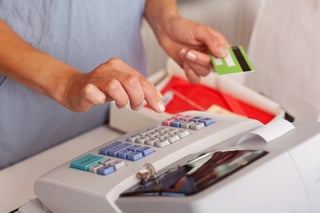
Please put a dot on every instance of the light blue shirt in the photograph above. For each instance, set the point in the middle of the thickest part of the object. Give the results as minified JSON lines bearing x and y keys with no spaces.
{"x":81,"y":33}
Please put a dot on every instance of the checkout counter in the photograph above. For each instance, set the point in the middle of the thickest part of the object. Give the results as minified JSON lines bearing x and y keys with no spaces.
{"x":17,"y":181}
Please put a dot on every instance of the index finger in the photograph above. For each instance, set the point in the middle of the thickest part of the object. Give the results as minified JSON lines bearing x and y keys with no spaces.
{"x":152,"y":96}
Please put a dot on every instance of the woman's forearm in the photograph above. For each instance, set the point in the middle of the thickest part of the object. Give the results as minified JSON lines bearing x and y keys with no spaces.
{"x":31,"y":67}
{"x":113,"y":80}
{"x":158,"y":12}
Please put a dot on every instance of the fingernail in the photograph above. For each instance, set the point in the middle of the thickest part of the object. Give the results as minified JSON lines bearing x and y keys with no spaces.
{"x":222,"y":51}
{"x":138,"y":108}
{"x":183,"y":52}
{"x":95,"y":95}
{"x":160,"y":94}
{"x":161,"y":107}
{"x":191,"y":56}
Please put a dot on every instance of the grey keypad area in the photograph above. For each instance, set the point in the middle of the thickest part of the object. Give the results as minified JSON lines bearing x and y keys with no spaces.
{"x":141,"y":144}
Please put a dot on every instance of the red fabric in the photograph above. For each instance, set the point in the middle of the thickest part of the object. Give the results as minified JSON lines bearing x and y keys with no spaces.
{"x":189,"y":96}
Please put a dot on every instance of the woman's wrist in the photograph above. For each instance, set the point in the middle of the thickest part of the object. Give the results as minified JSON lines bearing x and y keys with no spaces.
{"x":61,"y":79}
{"x":159,"y":15}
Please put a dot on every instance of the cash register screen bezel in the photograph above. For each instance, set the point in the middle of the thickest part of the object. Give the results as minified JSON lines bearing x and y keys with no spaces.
{"x":197,"y":174}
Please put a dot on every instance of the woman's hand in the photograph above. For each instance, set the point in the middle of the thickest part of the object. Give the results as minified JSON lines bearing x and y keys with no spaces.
{"x":186,"y":41}
{"x":189,"y":44}
{"x":113,"y":80}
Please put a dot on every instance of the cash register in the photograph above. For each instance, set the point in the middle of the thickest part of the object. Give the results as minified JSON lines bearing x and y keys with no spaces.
{"x":192,"y":162}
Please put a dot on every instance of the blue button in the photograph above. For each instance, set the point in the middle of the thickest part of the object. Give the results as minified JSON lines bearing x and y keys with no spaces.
{"x":134,"y":156}
{"x":113,"y":151}
{"x":104,"y":150}
{"x":196,"y":119}
{"x":134,"y":147}
{"x":207,"y":121}
{"x":106,"y":170}
{"x":176,"y":123}
{"x":122,"y":154}
{"x":145,"y":150}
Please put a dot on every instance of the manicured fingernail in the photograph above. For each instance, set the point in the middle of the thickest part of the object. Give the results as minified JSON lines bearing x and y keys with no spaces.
{"x":191,"y":56}
{"x":160,"y":94}
{"x":222,"y":51}
{"x":161,"y":107}
{"x":138,"y":108}
{"x":95,"y":95}
{"x":183,"y":52}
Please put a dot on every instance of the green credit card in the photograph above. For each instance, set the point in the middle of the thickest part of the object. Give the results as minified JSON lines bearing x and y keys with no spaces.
{"x":236,"y":61}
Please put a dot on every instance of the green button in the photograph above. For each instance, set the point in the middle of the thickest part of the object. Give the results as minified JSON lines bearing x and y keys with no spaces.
{"x":86,"y":161}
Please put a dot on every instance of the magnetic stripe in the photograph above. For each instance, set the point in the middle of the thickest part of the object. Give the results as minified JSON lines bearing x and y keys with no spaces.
{"x":242,"y":61}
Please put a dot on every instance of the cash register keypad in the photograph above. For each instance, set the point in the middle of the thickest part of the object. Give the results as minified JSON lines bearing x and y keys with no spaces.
{"x":112,"y":157}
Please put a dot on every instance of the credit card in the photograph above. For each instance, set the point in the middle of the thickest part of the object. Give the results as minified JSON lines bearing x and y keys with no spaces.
{"x":236,"y":61}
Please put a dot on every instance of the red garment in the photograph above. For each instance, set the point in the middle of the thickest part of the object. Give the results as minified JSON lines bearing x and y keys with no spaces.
{"x":187,"y":96}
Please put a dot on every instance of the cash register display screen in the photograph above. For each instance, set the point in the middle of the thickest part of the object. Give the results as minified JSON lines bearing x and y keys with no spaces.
{"x":197,"y":174}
